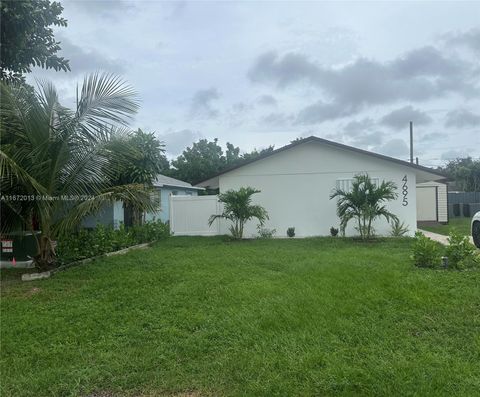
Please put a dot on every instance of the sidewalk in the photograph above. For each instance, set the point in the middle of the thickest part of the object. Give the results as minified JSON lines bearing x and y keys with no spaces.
{"x":439,"y":237}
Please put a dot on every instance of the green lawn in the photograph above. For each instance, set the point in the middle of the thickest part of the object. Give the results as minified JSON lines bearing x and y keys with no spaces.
{"x":204,"y":316}
{"x":461,"y":225}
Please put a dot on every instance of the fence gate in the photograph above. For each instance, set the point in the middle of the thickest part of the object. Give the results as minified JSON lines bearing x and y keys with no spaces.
{"x":189,"y":215}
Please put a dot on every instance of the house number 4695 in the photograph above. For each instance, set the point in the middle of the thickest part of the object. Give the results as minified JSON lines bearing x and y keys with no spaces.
{"x":405,"y":191}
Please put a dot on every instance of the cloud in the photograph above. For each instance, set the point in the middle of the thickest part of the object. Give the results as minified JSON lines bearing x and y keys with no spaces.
{"x":238,"y":113}
{"x":88,"y":60}
{"x":355,"y":127}
{"x":469,"y":39}
{"x":290,"y":69}
{"x":321,"y":111}
{"x":425,"y":61}
{"x":240,"y":107}
{"x":277,"y":119}
{"x":177,"y":9}
{"x":177,"y":141}
{"x":393,"y":148}
{"x":267,"y":100}
{"x":418,"y":75}
{"x":201,"y":105}
{"x":368,"y":139}
{"x":363,"y":132}
{"x":432,"y":137}
{"x":454,"y":154}
{"x":462,"y":118}
{"x":103,"y":9}
{"x":400,"y":118}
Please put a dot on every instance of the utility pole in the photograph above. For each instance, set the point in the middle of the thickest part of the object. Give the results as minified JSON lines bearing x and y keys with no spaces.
{"x":411,"y":142}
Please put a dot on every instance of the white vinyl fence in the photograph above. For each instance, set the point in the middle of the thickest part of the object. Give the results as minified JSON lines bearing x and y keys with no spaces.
{"x":189,"y":215}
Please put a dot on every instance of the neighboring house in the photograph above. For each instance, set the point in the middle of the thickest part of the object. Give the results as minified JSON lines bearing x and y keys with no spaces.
{"x":296,"y":181}
{"x":164,"y":187}
{"x":432,"y":202}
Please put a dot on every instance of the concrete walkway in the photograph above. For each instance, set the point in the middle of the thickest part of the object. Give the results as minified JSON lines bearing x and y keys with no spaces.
{"x":439,"y":237}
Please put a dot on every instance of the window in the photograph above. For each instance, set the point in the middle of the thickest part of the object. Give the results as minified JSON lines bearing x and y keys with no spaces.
{"x":156,"y":197}
{"x":346,"y":184}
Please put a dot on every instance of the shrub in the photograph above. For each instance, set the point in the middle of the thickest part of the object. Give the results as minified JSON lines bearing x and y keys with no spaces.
{"x":291,"y":232}
{"x":426,"y":252}
{"x":150,"y":231}
{"x":364,"y":203}
{"x":264,"y":232}
{"x":101,"y":240}
{"x":399,"y":229}
{"x":238,"y":208}
{"x":333,"y":231}
{"x":460,"y":252}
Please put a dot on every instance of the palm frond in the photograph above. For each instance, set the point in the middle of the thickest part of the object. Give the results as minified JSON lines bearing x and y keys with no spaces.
{"x":105,"y":100}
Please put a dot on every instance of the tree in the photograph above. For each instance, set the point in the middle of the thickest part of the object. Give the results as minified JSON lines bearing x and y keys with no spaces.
{"x":364,"y":203}
{"x":238,"y":208}
{"x":27,"y":37}
{"x":138,"y":157}
{"x":206,"y":159}
{"x":465,"y":172}
{"x":203,"y":160}
{"x":58,"y":160}
{"x":145,"y":158}
{"x":232,"y":155}
{"x":257,"y":153}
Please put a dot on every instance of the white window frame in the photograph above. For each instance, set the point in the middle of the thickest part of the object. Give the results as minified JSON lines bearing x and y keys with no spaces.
{"x":156,"y":197}
{"x":345,"y":184}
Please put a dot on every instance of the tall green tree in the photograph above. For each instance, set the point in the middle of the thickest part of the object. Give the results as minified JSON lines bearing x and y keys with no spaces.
{"x":465,"y":172}
{"x":58,"y":160}
{"x":364,"y":203}
{"x":201,"y":161}
{"x":137,"y":157}
{"x":257,"y":153}
{"x":27,"y":37}
{"x":143,"y":157}
{"x":238,"y":208}
{"x":206,"y":159}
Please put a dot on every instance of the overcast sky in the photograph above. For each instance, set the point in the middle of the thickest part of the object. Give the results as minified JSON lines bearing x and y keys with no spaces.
{"x":264,"y":73}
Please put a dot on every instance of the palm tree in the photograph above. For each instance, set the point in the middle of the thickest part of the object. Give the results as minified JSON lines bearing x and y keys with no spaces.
{"x":238,"y":208}
{"x":364,"y":203}
{"x":57,"y":159}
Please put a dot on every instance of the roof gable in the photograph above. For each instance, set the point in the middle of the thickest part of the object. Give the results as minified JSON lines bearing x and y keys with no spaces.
{"x":420,"y":169}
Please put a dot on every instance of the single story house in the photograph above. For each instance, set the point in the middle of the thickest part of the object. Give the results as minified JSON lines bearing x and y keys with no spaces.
{"x":164,"y":187}
{"x":296,"y":182}
{"x":432,"y":202}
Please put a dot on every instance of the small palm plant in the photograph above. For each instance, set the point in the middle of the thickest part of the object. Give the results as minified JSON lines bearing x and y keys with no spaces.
{"x":364,"y":203}
{"x":238,"y":209}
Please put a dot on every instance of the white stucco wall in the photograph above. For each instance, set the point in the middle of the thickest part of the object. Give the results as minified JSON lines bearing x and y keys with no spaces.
{"x":296,"y":184}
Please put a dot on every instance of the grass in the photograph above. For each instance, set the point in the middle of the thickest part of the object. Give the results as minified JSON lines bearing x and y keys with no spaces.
{"x":461,"y":225}
{"x":204,"y":316}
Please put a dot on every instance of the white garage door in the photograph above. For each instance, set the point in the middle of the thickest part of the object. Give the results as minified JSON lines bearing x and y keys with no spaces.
{"x":189,"y":215}
{"x":426,"y":203}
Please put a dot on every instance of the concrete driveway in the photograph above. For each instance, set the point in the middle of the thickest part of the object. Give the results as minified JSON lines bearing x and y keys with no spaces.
{"x":439,"y":237}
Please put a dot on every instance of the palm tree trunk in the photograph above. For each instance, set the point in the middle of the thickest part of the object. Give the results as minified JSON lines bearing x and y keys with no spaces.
{"x":45,"y":257}
{"x":359,"y":219}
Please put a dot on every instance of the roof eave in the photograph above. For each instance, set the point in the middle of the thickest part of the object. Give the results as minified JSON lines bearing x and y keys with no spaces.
{"x":435,"y":173}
